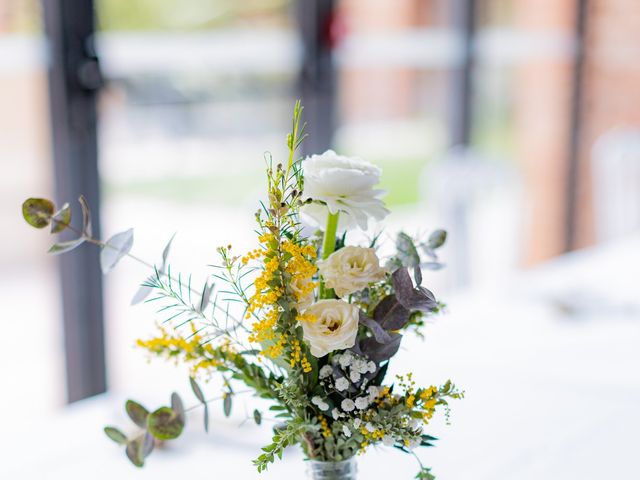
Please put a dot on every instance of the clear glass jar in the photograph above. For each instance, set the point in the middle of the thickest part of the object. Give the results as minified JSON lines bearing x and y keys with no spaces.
{"x":344,"y":470}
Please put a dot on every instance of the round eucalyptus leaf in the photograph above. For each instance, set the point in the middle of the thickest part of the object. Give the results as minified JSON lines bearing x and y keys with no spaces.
{"x":38,"y":212}
{"x":165,"y":424}
{"x":135,"y":451}
{"x":137,"y":413}
{"x":116,"y":247}
{"x":61,"y":219}
{"x":116,"y":435}
{"x":177,"y":406}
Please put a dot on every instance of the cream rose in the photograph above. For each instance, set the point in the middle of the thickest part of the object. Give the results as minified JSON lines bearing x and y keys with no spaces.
{"x":351,"y":269}
{"x":335,"y":326}
{"x":344,"y":185}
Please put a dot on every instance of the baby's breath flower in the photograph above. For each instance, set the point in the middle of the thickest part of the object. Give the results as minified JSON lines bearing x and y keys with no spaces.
{"x":371,"y":366}
{"x":335,"y":413}
{"x":357,"y":422}
{"x":362,"y":403}
{"x":342,"y":384}
{"x":354,"y":376}
{"x":325,"y":371}
{"x":347,"y":405}
{"x":345,"y":359}
{"x":370,"y":428}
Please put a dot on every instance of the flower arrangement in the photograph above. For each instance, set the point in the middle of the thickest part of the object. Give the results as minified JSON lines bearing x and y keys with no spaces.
{"x":319,"y":319}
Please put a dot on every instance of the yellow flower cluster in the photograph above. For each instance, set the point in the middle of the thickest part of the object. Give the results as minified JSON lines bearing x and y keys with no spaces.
{"x":300,"y":268}
{"x":306,"y":317}
{"x":194,"y":351}
{"x":253,"y":255}
{"x":276,"y":350}
{"x":298,"y":358}
{"x":294,"y":260}
{"x":265,"y":295}
{"x":324,"y":426}
{"x":263,"y":330}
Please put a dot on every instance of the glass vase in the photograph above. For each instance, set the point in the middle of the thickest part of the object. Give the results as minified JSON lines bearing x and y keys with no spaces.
{"x":344,"y":470}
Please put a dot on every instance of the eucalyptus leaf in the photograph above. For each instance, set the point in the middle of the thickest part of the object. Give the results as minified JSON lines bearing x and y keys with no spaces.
{"x":165,"y":253}
{"x":165,"y":424}
{"x":227,"y":404}
{"x":177,"y":406}
{"x":206,"y":417}
{"x":135,"y":451}
{"x":61,"y":219}
{"x":437,"y":239}
{"x":87,"y":230}
{"x":137,"y":413}
{"x":115,"y":248}
{"x":376,"y":329}
{"x":142,"y":292}
{"x":417,"y":274}
{"x":433,"y":265}
{"x":206,"y":295}
{"x":37,"y":212}
{"x":147,"y":444}
{"x":379,"y":352}
{"x":402,"y":285}
{"x":422,"y":300}
{"x":390,"y":314}
{"x":197,"y":391}
{"x":63,"y":247}
{"x":407,"y":251}
{"x":257,"y":417}
{"x":116,"y":435}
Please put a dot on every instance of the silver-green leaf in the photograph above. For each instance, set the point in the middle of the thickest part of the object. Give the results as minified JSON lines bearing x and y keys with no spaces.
{"x":115,"y":248}
{"x":116,"y":435}
{"x":63,"y":247}
{"x":37,"y":212}
{"x":87,"y":230}
{"x":137,"y":413}
{"x":61,"y":219}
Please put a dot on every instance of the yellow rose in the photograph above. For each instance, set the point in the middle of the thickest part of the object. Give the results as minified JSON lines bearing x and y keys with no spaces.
{"x":335,"y":326}
{"x":351,"y":269}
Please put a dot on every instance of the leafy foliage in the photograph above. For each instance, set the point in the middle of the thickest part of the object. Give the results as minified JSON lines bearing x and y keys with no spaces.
{"x":290,"y":435}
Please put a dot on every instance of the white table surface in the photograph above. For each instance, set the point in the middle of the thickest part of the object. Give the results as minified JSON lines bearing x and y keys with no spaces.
{"x":550,"y":363}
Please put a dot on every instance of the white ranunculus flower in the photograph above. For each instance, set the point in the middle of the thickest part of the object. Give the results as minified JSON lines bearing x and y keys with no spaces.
{"x":351,"y":269}
{"x":344,"y":185}
{"x":335,"y":326}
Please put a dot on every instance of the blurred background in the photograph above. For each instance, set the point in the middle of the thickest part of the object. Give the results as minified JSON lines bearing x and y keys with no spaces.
{"x":514,"y":125}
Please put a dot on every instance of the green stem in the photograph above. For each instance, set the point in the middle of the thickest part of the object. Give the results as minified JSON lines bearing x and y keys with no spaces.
{"x":328,"y":247}
{"x":329,"y":242}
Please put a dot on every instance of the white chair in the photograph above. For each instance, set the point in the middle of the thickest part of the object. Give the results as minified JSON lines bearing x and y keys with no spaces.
{"x":616,"y":183}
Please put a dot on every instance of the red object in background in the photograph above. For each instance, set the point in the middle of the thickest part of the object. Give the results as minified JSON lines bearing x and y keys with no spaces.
{"x":334,"y":30}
